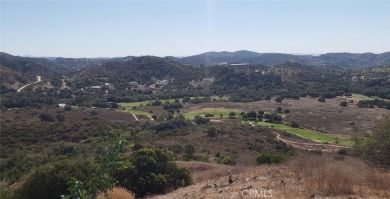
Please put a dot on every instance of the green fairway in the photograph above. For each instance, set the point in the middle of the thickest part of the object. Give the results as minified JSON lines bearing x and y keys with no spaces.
{"x":135,"y":104}
{"x":136,"y":112}
{"x":363,"y":97}
{"x":216,"y":111}
{"x":308,"y":134}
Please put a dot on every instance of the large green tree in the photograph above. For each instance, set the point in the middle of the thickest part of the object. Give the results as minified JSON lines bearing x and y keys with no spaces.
{"x":376,"y":148}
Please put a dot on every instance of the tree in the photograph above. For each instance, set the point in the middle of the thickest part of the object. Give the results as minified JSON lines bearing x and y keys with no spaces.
{"x":321,"y":99}
{"x":170,"y":116}
{"x":67,"y":108}
{"x":344,"y":103}
{"x":294,"y":124}
{"x":151,"y":171}
{"x":375,"y":149}
{"x":51,"y":181}
{"x":232,"y":114}
{"x":278,"y":99}
{"x":60,"y":117}
{"x":279,"y":109}
{"x":46,"y":117}
{"x":252,"y":115}
{"x":201,"y":120}
{"x":211,"y":131}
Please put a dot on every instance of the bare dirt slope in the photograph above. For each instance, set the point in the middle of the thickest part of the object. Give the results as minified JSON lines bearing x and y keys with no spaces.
{"x":306,"y":176}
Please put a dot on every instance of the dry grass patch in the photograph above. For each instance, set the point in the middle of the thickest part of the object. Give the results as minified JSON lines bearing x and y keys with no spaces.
{"x":202,"y":171}
{"x":117,"y":193}
{"x":329,"y":176}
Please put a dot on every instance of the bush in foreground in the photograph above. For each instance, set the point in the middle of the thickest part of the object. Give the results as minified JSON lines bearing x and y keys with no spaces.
{"x":151,"y":171}
{"x":375,"y":150}
{"x":270,"y":157}
{"x":51,"y":181}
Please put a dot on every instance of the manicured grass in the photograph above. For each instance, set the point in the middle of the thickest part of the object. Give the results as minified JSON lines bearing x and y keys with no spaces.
{"x":136,"y":112}
{"x":133,"y":104}
{"x":364,"y":97}
{"x":308,"y":134}
{"x":216,"y":111}
{"x":75,"y":107}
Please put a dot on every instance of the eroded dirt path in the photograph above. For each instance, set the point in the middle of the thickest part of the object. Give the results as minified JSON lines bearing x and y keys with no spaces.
{"x":311,"y":146}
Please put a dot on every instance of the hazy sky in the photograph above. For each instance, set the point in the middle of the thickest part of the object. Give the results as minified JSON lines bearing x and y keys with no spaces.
{"x":121,"y":28}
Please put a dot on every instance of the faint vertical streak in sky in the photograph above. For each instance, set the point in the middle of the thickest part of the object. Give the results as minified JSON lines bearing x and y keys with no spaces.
{"x":210,"y":24}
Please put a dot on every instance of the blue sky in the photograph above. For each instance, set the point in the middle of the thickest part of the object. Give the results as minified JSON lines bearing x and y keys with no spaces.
{"x":180,"y":28}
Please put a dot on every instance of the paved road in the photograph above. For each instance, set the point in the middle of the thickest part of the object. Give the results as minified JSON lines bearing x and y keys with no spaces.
{"x":23,"y":87}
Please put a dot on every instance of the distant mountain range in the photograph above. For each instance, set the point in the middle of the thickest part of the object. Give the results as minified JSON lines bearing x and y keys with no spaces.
{"x":60,"y":65}
{"x":346,"y":60}
{"x":51,"y":65}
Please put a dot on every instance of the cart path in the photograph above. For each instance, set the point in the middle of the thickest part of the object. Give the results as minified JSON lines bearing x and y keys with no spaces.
{"x":297,"y":144}
{"x":39,"y":79}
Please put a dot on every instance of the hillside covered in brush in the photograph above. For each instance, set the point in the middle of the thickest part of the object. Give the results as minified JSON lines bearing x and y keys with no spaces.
{"x":347,"y":60}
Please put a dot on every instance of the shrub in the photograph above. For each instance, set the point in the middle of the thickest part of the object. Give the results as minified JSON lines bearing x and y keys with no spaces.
{"x":344,"y":103}
{"x":227,"y":160}
{"x":201,"y":120}
{"x":321,"y":99}
{"x":51,"y":181}
{"x":270,"y":157}
{"x":137,"y":146}
{"x":60,"y":117}
{"x":189,"y":149}
{"x":342,"y":152}
{"x":278,"y":99}
{"x":46,"y":117}
{"x":176,"y":148}
{"x":211,"y":131}
{"x":151,"y":171}
{"x":209,"y":115}
{"x":294,"y":124}
{"x":376,"y":148}
{"x":67,"y":108}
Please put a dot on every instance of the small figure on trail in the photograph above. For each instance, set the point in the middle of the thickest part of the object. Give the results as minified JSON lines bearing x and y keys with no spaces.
{"x":230,"y":177}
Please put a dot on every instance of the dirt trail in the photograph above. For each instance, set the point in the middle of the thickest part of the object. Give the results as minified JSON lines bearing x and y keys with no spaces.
{"x":135,"y":117}
{"x":23,"y":87}
{"x":330,"y":147}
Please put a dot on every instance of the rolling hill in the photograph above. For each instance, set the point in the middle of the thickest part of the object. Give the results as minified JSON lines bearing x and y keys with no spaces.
{"x":346,"y":60}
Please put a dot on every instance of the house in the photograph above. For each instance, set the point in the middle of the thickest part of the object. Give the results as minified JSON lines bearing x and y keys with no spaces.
{"x":62,"y":105}
{"x":211,"y":80}
{"x":96,"y":87}
{"x":133,"y":83}
{"x":162,"y":82}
